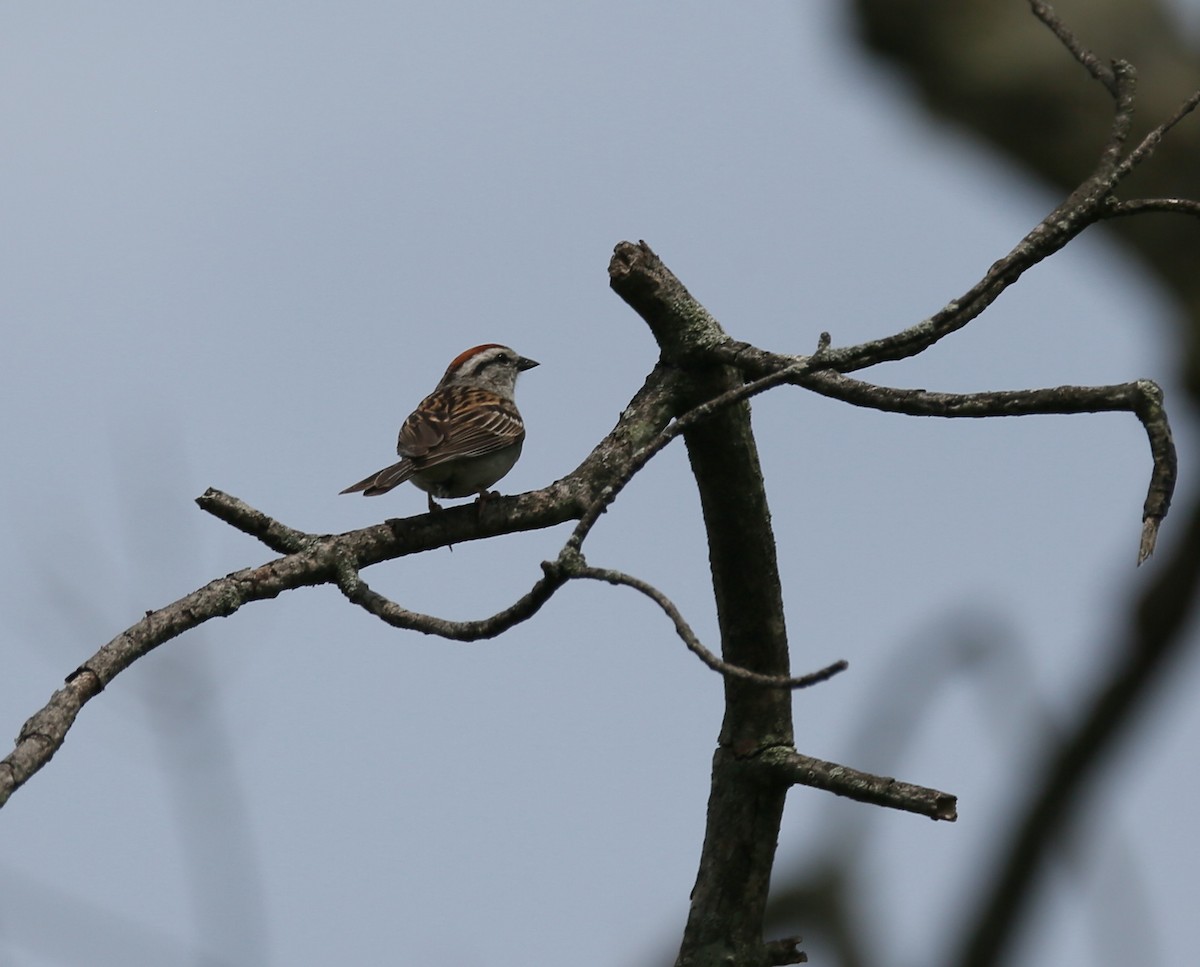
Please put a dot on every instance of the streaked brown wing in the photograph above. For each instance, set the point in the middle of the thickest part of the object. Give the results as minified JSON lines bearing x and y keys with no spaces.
{"x":424,"y":429}
{"x":485,"y":429}
{"x":459,"y":421}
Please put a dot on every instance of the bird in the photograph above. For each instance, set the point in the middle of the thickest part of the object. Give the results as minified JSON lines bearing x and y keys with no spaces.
{"x":465,"y":435}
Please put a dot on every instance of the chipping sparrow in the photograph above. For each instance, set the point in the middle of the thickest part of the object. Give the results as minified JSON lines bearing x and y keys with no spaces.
{"x":465,"y":435}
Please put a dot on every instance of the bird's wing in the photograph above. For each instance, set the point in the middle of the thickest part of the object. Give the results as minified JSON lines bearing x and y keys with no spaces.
{"x":459,"y":421}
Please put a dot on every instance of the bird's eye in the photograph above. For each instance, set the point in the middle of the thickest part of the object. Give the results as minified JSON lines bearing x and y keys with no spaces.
{"x":502,"y":357}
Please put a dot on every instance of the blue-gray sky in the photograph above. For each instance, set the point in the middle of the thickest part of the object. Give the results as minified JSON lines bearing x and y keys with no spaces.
{"x":242,"y":240}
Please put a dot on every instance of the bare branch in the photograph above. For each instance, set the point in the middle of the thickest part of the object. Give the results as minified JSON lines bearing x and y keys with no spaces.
{"x":43,"y":734}
{"x":277,"y":536}
{"x":697,"y":392}
{"x":351,"y":584}
{"x":687,"y":333}
{"x":1120,"y":80}
{"x":1142,"y":397}
{"x":569,"y":565}
{"x":1094,"y":65}
{"x":1152,"y":140}
{"x":683,"y":629}
{"x":1152,"y":413}
{"x":1090,"y":202}
{"x":790,"y":766}
{"x":1140,"y":206}
{"x":324,"y":559}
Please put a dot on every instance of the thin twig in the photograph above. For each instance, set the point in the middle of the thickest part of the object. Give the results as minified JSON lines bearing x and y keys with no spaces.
{"x":570,"y":565}
{"x":1140,"y":206}
{"x":1094,"y":65}
{"x":1090,"y":202}
{"x":1152,"y":140}
{"x":693,"y":643}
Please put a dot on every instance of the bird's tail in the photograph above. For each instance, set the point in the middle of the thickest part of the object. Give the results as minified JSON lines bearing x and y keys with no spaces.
{"x":383,"y":480}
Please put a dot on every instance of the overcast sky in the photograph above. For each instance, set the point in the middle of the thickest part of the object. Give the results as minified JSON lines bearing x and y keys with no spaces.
{"x":241,"y":241}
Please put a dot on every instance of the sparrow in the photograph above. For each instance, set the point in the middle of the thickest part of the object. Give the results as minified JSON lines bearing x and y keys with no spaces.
{"x":465,"y":435}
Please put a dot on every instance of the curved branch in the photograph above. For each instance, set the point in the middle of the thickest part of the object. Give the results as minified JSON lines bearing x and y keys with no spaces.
{"x":1143,"y":398}
{"x":570,"y":565}
{"x":43,"y":734}
{"x":351,"y":584}
{"x":694,"y":645}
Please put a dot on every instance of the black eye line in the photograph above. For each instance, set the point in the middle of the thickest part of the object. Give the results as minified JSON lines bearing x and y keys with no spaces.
{"x":485,"y":363}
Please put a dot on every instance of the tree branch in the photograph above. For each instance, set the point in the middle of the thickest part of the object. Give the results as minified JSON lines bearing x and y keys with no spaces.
{"x":1033,"y":118}
{"x":683,"y":629}
{"x":318,"y":559}
{"x":1141,"y":397}
{"x":1149,"y":144}
{"x":1087,"y":204}
{"x":788,"y":765}
{"x":1094,"y":65}
{"x":351,"y":584}
{"x":729,"y":898}
{"x":1140,"y":206}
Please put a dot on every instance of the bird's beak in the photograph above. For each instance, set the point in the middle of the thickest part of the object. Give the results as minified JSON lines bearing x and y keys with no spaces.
{"x":524,"y":364}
